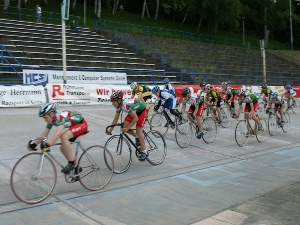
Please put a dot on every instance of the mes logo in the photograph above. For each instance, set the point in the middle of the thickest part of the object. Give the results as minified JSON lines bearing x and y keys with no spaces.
{"x":36,"y":78}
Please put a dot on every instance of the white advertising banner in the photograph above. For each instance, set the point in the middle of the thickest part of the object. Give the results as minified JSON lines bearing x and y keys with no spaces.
{"x":85,"y":94}
{"x":22,"y":96}
{"x":43,"y":77}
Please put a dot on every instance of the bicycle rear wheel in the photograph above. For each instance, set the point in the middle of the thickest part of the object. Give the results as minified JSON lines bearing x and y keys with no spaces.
{"x":286,"y":122}
{"x":159,"y":123}
{"x":241,"y":133}
{"x":261,"y":136}
{"x":33,"y":178}
{"x":183,"y":132}
{"x":94,"y":173}
{"x":156,"y":147}
{"x":120,"y":149}
{"x":296,"y":106}
{"x":225,"y":116}
{"x":209,"y":129}
{"x":272,"y":125}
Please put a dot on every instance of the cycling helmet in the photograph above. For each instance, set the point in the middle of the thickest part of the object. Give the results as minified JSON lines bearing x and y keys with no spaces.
{"x":202,"y":83}
{"x":208,"y":86}
{"x":288,"y":86}
{"x":166,"y":80}
{"x":264,"y":86}
{"x":274,"y":94}
{"x":185,"y":92}
{"x":155,"y":89}
{"x":47,"y":108}
{"x":241,"y":92}
{"x":116,"y":96}
{"x":133,"y":85}
{"x":224,"y":84}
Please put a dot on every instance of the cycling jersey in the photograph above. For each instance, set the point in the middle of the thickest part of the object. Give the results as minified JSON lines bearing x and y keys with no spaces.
{"x":229,"y":91}
{"x":193,"y":101}
{"x":250,"y":98}
{"x":169,"y":87}
{"x":141,"y":88}
{"x":291,"y":92}
{"x":213,"y":94}
{"x":130,"y":107}
{"x":266,"y":91}
{"x":277,"y":101}
{"x":169,"y":97}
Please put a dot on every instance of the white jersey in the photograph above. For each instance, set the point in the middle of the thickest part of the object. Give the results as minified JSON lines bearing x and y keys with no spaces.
{"x":169,"y":87}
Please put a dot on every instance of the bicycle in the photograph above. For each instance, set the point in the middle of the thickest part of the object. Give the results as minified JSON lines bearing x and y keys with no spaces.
{"x":209,"y":131}
{"x":274,"y":122}
{"x":225,"y":114}
{"x":34,"y":175}
{"x":245,"y":129}
{"x":120,"y":146}
{"x":295,"y":107}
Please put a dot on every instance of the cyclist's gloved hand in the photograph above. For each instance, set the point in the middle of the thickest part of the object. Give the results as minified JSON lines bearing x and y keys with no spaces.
{"x":32,"y":146}
{"x":45,"y":146}
{"x":155,"y":108}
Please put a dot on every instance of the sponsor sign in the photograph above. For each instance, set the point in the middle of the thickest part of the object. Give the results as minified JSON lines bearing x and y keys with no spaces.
{"x":42,"y":77}
{"x":22,"y":96}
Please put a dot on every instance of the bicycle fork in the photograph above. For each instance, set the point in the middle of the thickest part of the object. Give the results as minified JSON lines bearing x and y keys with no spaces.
{"x":39,"y":168}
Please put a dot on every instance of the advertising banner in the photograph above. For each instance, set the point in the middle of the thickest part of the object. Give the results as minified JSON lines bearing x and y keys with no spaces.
{"x":42,"y":77}
{"x":22,"y":96}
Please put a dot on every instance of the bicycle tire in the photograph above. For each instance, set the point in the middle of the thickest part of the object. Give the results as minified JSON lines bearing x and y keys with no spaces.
{"x":261,"y":136}
{"x":240,"y":133}
{"x":183,"y":134}
{"x":286,"y":121}
{"x":94,"y":173}
{"x":225,"y":116}
{"x":121,"y":151}
{"x":156,"y":147}
{"x":209,"y":130}
{"x":30,"y":185}
{"x":296,"y":107}
{"x":160,"y":123}
{"x":272,"y":124}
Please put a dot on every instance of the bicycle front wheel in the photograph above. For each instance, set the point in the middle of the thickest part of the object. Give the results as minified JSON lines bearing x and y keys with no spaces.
{"x":33,"y":178}
{"x":272,"y":125}
{"x":120,"y":149}
{"x":209,"y":130}
{"x":286,"y":122}
{"x":156,"y":147}
{"x":261,"y":135}
{"x":94,"y":174}
{"x":159,"y":123}
{"x":296,"y":106}
{"x":241,"y":133}
{"x":183,"y":133}
{"x":225,"y":116}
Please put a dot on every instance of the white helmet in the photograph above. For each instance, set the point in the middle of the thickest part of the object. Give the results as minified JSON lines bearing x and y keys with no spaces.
{"x":47,"y":108}
{"x":133,"y":85}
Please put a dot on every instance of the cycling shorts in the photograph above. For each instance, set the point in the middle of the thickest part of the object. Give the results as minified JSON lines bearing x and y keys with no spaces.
{"x":200,"y":109}
{"x":248,"y":108}
{"x":142,"y":118}
{"x":79,"y":128}
{"x":278,"y":106}
{"x":213,"y":100}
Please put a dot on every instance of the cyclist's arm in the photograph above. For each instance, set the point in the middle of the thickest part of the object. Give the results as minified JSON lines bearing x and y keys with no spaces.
{"x":56,"y":136}
{"x":140,"y":97}
{"x":43,"y":134}
{"x":115,"y":120}
{"x":252,"y":108}
{"x":183,"y":107}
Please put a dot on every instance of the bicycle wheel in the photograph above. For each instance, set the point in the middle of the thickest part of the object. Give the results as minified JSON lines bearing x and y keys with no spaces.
{"x":209,"y":130}
{"x":296,"y":106}
{"x":33,"y":178}
{"x":261,"y":136}
{"x":159,"y":123}
{"x":241,"y":133}
{"x":156,"y":147}
{"x":225,"y":116}
{"x":183,"y":134}
{"x":272,"y":124}
{"x":94,"y":173}
{"x":286,"y":121}
{"x":120,"y":149}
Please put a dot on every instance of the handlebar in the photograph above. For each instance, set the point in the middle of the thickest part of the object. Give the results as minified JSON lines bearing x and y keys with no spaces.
{"x":44,"y":139}
{"x":114,"y":125}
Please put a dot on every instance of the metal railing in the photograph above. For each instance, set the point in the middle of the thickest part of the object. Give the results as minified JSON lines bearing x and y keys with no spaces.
{"x":5,"y":63}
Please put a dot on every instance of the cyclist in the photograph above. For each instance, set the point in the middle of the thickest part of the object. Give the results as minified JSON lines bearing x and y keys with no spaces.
{"x":75,"y":123}
{"x":196,"y":109}
{"x":266,"y":92}
{"x":278,"y":106}
{"x":229,"y":95}
{"x":168,"y":86}
{"x":201,"y":91}
{"x":251,"y":106}
{"x":170,"y":102}
{"x":143,"y":91}
{"x":290,"y":93}
{"x":136,"y":116}
{"x":213,"y":96}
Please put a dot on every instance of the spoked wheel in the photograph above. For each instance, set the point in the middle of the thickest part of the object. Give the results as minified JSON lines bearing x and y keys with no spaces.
{"x":209,"y":129}
{"x":183,"y":133}
{"x":286,"y":122}
{"x":159,"y":123}
{"x":272,"y":125}
{"x":33,"y":178}
{"x":225,"y":116}
{"x":296,"y":106}
{"x":156,"y":147}
{"x":261,"y":135}
{"x":120,"y":149}
{"x":94,"y":174}
{"x":241,"y":133}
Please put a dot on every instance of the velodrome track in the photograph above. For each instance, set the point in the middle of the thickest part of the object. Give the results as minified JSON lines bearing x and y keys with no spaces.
{"x":191,"y":185}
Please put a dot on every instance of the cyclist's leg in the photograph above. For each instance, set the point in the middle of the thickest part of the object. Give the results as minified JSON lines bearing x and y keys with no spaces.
{"x":139,"y":130}
{"x":218,"y":108}
{"x":172,"y":105}
{"x":199,"y":116}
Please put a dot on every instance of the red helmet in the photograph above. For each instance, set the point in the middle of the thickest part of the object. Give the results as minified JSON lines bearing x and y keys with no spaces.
{"x":116,"y":96}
